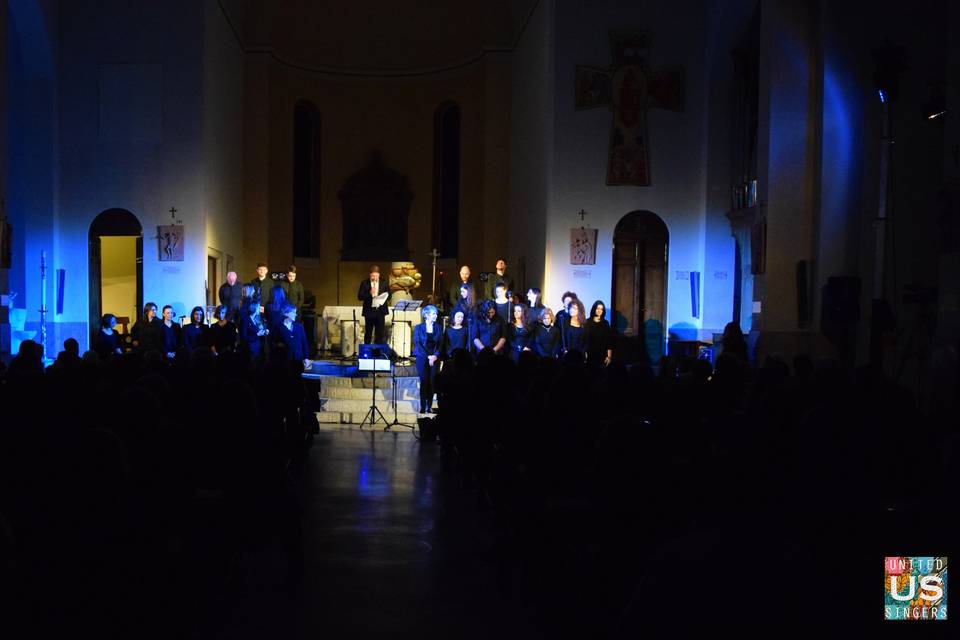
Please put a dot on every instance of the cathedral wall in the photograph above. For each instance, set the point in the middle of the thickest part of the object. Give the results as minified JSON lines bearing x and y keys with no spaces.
{"x":531,"y":144}
{"x":394,"y":115}
{"x":131,"y":137}
{"x":223,"y":136}
{"x":32,"y":146}
{"x":677,"y":153}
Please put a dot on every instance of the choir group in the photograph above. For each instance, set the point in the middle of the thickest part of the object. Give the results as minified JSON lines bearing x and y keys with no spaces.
{"x":505,"y":325}
{"x":262,"y":314}
{"x":250,"y":318}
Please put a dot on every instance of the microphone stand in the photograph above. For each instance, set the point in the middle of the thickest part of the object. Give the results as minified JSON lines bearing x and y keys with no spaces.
{"x":393,"y":374}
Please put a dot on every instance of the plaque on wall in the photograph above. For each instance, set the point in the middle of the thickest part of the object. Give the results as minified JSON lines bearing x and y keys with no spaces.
{"x":170,"y":239}
{"x":583,"y":246}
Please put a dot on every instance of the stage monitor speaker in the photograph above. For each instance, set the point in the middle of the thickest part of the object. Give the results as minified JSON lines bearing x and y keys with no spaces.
{"x":695,"y":294}
{"x":61,"y":279}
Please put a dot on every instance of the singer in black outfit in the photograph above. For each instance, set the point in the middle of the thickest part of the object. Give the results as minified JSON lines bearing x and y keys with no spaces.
{"x":107,"y":343}
{"x":195,"y":333}
{"x":171,"y":333}
{"x":455,"y":336}
{"x":370,"y":289}
{"x":427,"y":339}
{"x":223,"y":332}
{"x":294,"y":338}
{"x":573,"y":332}
{"x":231,"y":295}
{"x":146,"y":331}
{"x":546,"y":336}
{"x":491,"y":331}
{"x":534,"y":305}
{"x":253,"y":332}
{"x":502,"y":302}
{"x":519,"y":333}
{"x":598,"y":339}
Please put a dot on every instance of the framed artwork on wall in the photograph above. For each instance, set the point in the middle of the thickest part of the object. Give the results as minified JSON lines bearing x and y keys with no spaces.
{"x":583,"y":246}
{"x":170,"y":242}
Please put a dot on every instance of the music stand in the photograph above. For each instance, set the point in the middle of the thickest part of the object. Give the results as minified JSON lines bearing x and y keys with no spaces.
{"x":403,"y":305}
{"x":374,"y":357}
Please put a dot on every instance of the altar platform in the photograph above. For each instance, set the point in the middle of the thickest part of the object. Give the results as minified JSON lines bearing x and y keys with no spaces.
{"x":345,"y":392}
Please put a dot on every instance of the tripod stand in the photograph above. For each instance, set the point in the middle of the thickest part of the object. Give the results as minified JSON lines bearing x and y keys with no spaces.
{"x":411,"y":305}
{"x":373,"y":413}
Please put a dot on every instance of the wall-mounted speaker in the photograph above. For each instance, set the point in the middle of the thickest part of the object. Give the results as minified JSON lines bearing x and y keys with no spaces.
{"x":695,"y":294}
{"x":61,"y":279}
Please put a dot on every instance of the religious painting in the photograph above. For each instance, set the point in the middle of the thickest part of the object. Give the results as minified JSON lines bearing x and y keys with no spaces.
{"x":593,"y":88}
{"x":629,"y":87}
{"x":583,"y":246}
{"x":170,"y":240}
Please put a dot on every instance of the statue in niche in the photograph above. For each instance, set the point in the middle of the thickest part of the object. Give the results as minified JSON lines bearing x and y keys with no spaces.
{"x":376,"y":206}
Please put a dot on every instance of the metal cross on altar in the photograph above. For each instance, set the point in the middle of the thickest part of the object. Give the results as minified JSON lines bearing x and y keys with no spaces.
{"x":629,"y":87}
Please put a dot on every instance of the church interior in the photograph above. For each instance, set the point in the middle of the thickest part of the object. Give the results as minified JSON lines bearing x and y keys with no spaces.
{"x":762,"y":196}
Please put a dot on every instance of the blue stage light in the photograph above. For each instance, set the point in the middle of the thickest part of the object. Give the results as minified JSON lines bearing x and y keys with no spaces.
{"x":883,"y":96}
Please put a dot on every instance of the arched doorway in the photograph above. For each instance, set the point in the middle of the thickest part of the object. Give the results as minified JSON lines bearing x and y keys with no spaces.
{"x":640,"y":242}
{"x":116,"y":266}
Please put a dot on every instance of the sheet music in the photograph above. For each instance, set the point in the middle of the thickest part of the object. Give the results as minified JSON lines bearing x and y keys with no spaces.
{"x":380,"y":299}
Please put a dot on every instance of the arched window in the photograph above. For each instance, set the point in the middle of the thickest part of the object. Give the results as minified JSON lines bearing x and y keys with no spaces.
{"x":446,"y":179}
{"x":306,"y":180}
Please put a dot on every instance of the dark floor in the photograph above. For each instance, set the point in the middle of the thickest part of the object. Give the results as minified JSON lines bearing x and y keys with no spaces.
{"x":393,"y":546}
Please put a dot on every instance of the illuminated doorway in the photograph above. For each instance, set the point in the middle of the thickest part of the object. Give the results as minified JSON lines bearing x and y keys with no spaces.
{"x":115,"y":267}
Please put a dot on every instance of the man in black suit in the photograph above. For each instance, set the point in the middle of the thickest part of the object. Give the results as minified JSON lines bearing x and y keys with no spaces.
{"x":370,"y":289}
{"x":230,"y":295}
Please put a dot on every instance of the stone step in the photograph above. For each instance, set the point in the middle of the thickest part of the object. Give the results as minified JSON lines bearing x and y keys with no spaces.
{"x":383,"y":382}
{"x":354,"y":406}
{"x":337,"y":417}
{"x":383,"y":395}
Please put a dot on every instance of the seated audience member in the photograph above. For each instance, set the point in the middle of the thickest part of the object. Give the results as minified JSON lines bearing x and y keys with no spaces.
{"x":107,"y":341}
{"x":223,"y":332}
{"x":546,"y":336}
{"x":195,"y":333}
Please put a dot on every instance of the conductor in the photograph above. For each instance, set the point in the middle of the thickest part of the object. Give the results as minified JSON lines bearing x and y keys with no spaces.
{"x":374,"y":309}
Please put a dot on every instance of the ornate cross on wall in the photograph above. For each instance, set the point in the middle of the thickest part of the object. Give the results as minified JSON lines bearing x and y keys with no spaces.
{"x":629,"y":87}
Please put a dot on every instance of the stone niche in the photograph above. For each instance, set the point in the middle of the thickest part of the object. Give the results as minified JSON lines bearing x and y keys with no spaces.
{"x":376,"y":205}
